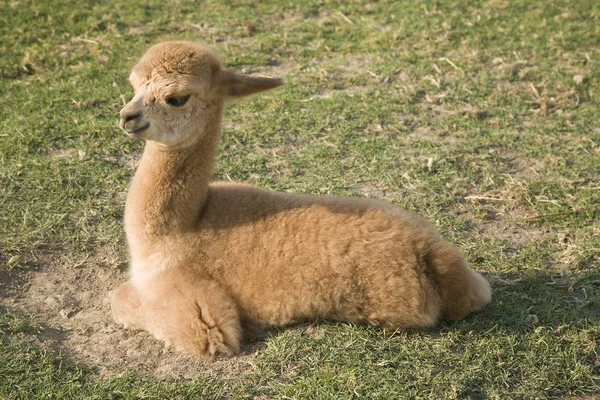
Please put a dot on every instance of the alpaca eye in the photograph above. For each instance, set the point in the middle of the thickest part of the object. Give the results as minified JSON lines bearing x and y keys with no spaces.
{"x":177,"y":101}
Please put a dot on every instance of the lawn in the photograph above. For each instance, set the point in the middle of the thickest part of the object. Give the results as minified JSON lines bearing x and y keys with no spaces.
{"x":482,"y":116}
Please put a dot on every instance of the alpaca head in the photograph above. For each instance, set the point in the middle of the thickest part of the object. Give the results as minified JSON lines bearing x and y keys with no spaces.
{"x":179,"y":91}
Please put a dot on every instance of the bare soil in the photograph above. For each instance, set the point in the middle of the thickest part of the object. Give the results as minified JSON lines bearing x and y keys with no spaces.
{"x":71,"y":300}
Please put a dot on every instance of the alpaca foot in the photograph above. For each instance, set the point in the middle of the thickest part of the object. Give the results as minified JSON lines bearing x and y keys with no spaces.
{"x":192,"y":330}
{"x":126,"y":307}
{"x":197,"y":317}
{"x":472,"y":294}
{"x":481,"y":292}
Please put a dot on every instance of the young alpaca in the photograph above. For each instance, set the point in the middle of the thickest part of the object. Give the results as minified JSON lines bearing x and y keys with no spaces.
{"x":207,"y":257}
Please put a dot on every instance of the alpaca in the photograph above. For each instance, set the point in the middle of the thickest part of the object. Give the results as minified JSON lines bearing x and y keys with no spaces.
{"x":209,"y":257}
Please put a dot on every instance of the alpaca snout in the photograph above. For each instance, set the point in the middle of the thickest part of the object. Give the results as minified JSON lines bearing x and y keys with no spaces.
{"x":132,"y":122}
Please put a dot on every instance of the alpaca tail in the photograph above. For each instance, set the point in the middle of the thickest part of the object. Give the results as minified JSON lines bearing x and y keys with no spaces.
{"x":462,"y":290}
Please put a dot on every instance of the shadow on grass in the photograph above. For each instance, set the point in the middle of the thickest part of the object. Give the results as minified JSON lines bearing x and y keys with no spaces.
{"x":522,"y":302}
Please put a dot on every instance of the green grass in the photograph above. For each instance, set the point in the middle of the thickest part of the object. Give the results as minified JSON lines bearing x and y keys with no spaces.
{"x":482,"y":116}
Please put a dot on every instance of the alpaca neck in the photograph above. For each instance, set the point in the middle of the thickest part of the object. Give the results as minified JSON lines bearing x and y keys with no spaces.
{"x":169,"y":190}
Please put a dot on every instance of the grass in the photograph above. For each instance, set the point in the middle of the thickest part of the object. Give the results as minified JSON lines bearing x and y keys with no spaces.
{"x":482,"y":116}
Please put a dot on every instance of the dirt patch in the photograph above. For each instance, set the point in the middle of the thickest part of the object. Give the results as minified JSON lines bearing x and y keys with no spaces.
{"x":449,"y":139}
{"x":72,"y":301}
{"x":67,"y":153}
{"x":514,"y":232}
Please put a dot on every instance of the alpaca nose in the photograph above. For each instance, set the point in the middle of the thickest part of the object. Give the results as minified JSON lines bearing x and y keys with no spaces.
{"x":131,"y":122}
{"x":130,"y":116}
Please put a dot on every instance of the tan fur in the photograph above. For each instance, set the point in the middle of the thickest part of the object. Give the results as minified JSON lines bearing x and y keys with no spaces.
{"x":207,"y":257}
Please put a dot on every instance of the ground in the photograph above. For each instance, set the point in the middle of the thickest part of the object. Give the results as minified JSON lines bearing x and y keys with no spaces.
{"x":481,"y":116}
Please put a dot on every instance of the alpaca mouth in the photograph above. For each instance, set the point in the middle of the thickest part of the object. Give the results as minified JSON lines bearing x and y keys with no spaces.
{"x":137,"y":131}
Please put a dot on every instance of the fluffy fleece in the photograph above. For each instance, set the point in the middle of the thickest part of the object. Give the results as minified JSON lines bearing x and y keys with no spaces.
{"x":207,"y":257}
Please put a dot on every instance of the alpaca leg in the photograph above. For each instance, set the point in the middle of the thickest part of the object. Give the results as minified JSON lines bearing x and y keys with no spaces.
{"x":471,"y":294}
{"x":126,"y":307}
{"x":404,"y":301}
{"x":480,"y":293}
{"x":198,"y":318}
{"x":462,"y":289}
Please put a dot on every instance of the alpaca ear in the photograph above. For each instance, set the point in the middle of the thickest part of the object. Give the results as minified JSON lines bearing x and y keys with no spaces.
{"x":237,"y":85}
